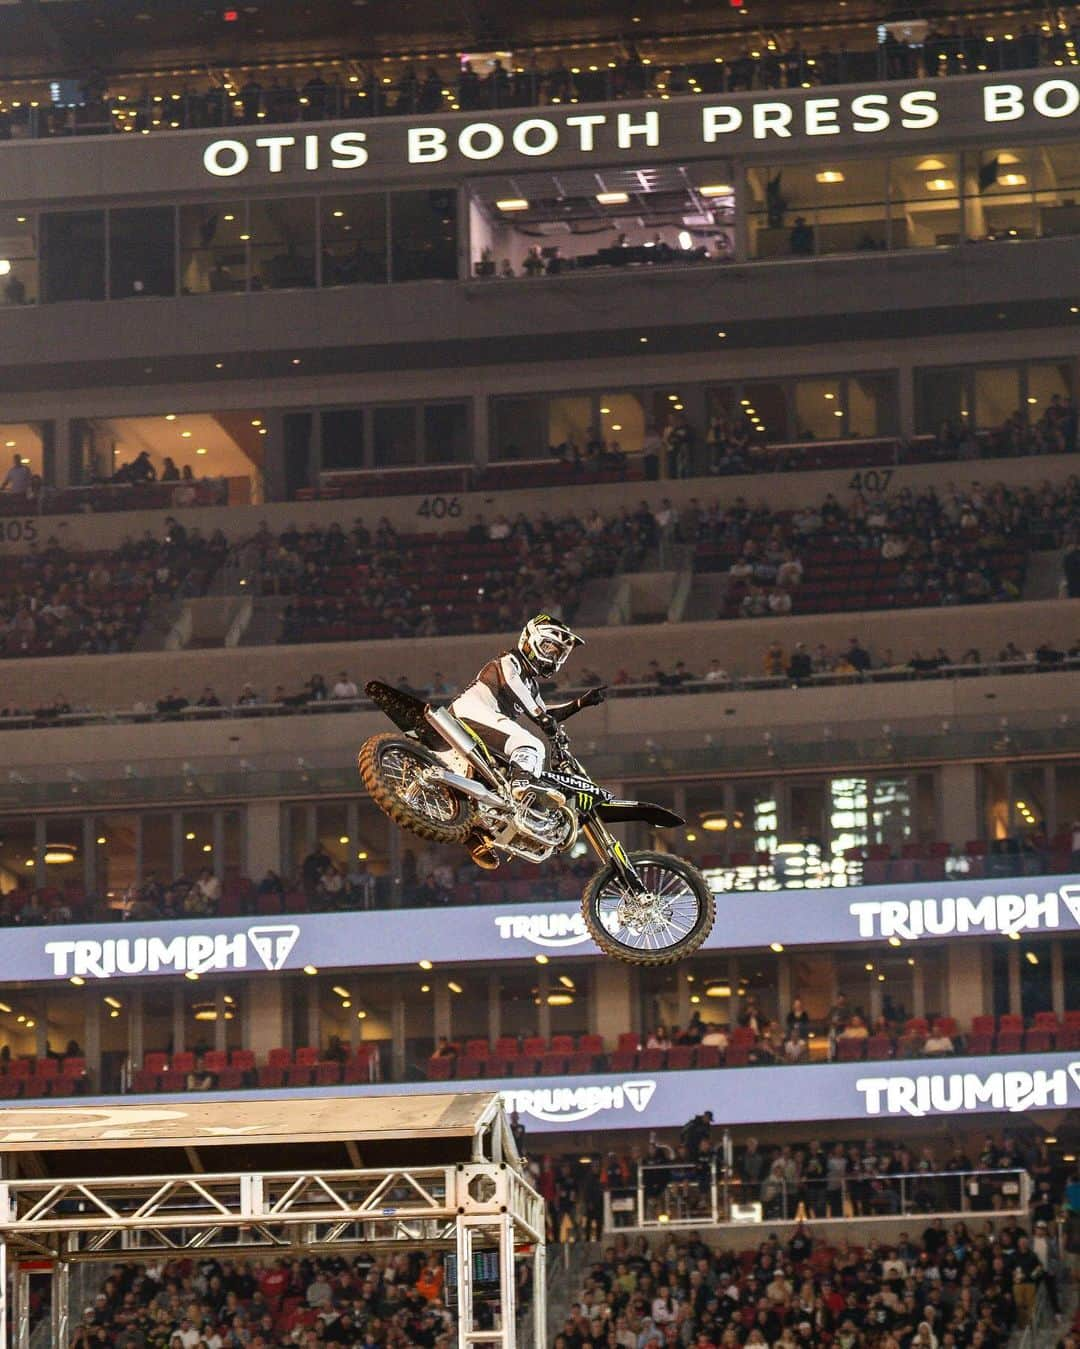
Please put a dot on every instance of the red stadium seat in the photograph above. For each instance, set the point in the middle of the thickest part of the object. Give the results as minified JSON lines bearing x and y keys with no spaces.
{"x":184,"y":1061}
{"x":244,"y":1059}
{"x":73,"y":1067}
{"x":298,"y":1075}
{"x":590,"y":1044}
{"x":279,"y":1058}
{"x":307,"y":1056}
{"x":983,"y":1025}
{"x":477,"y":1049}
{"x":440,"y":1068}
{"x":215,"y":1060}
{"x":680,"y":1057}
{"x":562,"y":1044}
{"x":327,"y":1073}
{"x":849,"y":1050}
{"x":155,"y":1062}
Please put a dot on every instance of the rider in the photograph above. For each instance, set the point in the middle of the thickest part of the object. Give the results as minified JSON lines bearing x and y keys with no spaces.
{"x":506,"y":691}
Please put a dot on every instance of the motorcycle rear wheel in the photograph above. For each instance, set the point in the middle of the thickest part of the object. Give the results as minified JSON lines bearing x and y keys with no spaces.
{"x":684,"y":912}
{"x":390,"y":766}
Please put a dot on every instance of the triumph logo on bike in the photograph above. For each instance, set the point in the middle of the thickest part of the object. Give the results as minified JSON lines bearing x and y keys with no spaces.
{"x":952,"y":1093}
{"x":568,"y":1105}
{"x":196,"y":953}
{"x":543,"y":929}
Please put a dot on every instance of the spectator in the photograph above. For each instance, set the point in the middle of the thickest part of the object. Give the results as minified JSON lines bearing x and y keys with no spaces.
{"x":344,"y":688}
{"x":18,"y":478}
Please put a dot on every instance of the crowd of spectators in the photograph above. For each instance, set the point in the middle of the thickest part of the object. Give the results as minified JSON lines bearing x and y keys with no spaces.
{"x":948,"y":1287}
{"x":808,"y":1179}
{"x":366,"y":1301}
{"x":56,"y":601}
{"x":949,"y":547}
{"x":781,"y":666}
{"x":380,"y":583}
{"x":627,"y":69}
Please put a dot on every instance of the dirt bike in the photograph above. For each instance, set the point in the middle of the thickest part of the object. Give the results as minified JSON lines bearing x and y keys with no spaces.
{"x":440,"y":780}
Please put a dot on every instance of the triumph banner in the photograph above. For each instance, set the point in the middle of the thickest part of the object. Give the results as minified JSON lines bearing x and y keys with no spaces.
{"x":1036,"y":905}
{"x":911,"y":1089}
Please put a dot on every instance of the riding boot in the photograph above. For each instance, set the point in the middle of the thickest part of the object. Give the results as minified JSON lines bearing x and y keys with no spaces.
{"x":481,"y":852}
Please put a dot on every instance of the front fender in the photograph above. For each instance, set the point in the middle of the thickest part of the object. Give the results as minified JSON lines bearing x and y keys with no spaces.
{"x":620,"y":812}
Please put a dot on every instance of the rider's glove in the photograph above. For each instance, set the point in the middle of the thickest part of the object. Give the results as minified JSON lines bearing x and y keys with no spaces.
{"x":593,"y":698}
{"x":547,"y":723}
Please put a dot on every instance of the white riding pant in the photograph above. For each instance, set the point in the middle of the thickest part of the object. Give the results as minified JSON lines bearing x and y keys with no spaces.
{"x":477,"y":706}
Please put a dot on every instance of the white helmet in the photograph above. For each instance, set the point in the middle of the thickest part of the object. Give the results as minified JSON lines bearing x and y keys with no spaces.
{"x":545,"y":643}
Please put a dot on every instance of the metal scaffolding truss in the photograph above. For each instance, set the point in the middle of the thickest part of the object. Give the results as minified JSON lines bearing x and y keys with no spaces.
{"x":466,"y":1207}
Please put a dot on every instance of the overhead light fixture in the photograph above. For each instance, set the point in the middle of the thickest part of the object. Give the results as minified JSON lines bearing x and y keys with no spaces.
{"x":613,"y":198}
{"x":541,"y":959}
{"x":940,"y":185}
{"x":341,"y":992}
{"x":311,"y":969}
{"x":4,"y":1007}
{"x":929,"y":165}
{"x":566,"y":981}
{"x":714,"y":824}
{"x":1005,"y":157}
{"x":114,"y":1002}
{"x":829,"y":176}
{"x":718,"y":991}
{"x":1012,"y":180}
{"x":77,"y":980}
{"x":425,"y":964}
{"x":59,"y":854}
{"x":454,"y":986}
{"x":513,"y":204}
{"x":560,"y":999}
{"x":716,"y":190}
{"x":776,"y":946}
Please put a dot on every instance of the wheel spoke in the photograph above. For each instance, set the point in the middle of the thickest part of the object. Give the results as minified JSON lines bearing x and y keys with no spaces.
{"x":659,"y":920}
{"x":401,"y":771}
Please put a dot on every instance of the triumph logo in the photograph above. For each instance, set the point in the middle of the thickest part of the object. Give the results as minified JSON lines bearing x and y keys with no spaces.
{"x":543,"y":929}
{"x":197,"y":953}
{"x":946,"y":917}
{"x":953,"y":1093}
{"x":568,"y":1105}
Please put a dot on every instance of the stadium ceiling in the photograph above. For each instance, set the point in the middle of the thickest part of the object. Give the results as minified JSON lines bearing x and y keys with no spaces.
{"x":582,"y":200}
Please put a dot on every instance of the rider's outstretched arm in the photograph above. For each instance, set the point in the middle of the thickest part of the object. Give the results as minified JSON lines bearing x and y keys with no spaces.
{"x":591,"y":698}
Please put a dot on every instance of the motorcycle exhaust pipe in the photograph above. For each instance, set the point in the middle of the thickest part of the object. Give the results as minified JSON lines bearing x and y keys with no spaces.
{"x":467,"y":787}
{"x":454,"y":734}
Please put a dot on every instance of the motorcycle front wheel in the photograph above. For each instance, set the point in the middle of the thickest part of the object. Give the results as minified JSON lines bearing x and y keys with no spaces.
{"x":392,"y":768}
{"x":669,"y":921}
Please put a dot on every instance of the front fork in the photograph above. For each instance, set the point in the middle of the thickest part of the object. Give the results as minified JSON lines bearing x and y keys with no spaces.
{"x":608,"y":848}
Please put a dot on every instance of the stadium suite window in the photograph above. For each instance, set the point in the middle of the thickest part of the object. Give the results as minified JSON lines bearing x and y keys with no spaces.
{"x":446,"y":434}
{"x":213,"y":248}
{"x":18,"y":258}
{"x":343,"y":438}
{"x":983,"y":397}
{"x":73,"y":255}
{"x":142,"y":252}
{"x":282,"y":243}
{"x":424,"y":236}
{"x":851,"y":206}
{"x":353,"y":230}
{"x":394,"y":436}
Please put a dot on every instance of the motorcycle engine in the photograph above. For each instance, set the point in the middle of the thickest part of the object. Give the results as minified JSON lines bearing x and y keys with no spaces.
{"x":554,"y":826}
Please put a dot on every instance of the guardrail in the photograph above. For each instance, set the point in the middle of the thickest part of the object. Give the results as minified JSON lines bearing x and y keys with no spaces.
{"x":685,"y":1194}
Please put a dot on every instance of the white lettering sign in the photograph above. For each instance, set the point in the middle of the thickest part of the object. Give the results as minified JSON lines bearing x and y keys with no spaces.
{"x":774,"y":117}
{"x":949,"y":1093}
{"x":195,"y":953}
{"x":543,"y":929}
{"x":567,"y":1105}
{"x":949,"y":916}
